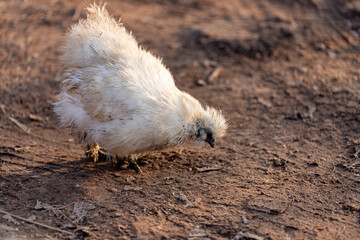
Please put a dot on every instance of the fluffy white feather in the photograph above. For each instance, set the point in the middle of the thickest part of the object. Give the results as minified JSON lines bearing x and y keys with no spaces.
{"x":122,"y":97}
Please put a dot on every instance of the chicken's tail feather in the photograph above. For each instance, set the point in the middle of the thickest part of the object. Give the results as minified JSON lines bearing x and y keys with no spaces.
{"x":98,"y":39}
{"x":98,"y":12}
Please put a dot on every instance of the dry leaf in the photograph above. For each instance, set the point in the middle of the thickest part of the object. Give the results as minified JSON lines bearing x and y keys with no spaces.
{"x":80,"y":210}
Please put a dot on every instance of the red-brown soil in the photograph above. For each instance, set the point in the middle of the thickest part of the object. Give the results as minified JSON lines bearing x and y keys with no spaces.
{"x":289,"y":167}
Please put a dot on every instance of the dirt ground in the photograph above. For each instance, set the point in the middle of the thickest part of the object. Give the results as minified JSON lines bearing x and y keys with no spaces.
{"x":288,"y":81}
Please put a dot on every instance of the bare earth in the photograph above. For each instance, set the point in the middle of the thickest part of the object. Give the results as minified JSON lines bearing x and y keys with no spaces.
{"x":288,"y":81}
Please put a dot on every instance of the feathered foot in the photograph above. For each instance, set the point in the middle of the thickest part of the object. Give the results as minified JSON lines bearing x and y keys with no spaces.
{"x":133,"y":163}
{"x":130,"y":162}
{"x":95,"y":153}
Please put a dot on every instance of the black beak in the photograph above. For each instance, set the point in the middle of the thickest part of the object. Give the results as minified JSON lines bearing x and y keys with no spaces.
{"x":212,"y":142}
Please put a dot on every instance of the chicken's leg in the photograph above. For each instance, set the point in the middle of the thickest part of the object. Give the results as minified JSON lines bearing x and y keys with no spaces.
{"x":133,"y":163}
{"x":95,"y":153}
{"x":128,"y":162}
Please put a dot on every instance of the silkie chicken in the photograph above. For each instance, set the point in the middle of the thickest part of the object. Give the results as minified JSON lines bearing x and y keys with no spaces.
{"x":119,"y":97}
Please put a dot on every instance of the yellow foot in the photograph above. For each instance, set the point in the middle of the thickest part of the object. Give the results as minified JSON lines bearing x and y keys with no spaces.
{"x":95,"y":153}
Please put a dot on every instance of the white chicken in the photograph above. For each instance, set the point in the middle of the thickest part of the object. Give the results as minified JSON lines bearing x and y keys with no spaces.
{"x":118,"y":96}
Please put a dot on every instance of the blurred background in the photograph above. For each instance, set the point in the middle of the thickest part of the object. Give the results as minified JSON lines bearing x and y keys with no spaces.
{"x":287,"y":76}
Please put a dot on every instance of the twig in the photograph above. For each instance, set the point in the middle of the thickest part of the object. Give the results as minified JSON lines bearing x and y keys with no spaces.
{"x":2,"y":107}
{"x":208,"y":169}
{"x":20,"y":125}
{"x":357,"y":154}
{"x":36,"y":223}
{"x":214,"y":75}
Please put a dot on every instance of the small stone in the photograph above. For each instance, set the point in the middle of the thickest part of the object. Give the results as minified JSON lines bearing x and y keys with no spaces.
{"x":208,"y":63}
{"x":332,"y":54}
{"x":130,"y":179}
{"x":264,"y":102}
{"x":40,"y":206}
{"x":9,"y":218}
{"x":214,"y":75}
{"x":291,"y":117}
{"x":250,"y":180}
{"x":69,"y":226}
{"x":116,"y":215}
{"x":183,"y":198}
{"x":320,"y":46}
{"x":32,"y":218}
{"x":34,"y":117}
{"x":245,"y":220}
{"x":200,"y":82}
{"x":302,"y":70}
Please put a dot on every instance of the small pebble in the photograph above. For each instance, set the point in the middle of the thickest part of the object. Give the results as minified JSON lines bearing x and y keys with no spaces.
{"x":245,"y":220}
{"x":320,"y":46}
{"x":332,"y":54}
{"x":200,"y":82}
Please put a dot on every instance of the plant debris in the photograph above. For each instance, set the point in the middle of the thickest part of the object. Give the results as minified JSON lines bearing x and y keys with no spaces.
{"x":209,"y":169}
{"x":130,"y":188}
{"x":183,"y":198}
{"x":20,"y":125}
{"x":247,"y":236}
{"x":35,"y":117}
{"x":214,"y":74}
{"x":80,"y":210}
{"x":9,"y":218}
